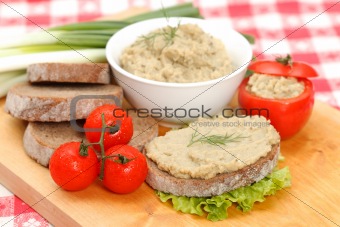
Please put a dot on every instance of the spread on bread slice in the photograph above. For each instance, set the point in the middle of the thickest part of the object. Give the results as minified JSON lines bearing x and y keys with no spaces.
{"x":212,"y":156}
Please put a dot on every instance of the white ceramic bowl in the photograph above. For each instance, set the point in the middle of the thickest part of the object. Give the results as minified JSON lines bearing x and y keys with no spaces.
{"x":180,"y":99}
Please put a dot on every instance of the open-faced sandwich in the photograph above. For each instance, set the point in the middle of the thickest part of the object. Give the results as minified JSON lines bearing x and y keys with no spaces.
{"x":214,"y":162}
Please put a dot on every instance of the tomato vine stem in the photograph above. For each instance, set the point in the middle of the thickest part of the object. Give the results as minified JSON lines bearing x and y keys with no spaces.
{"x":102,"y":150}
{"x":83,"y":149}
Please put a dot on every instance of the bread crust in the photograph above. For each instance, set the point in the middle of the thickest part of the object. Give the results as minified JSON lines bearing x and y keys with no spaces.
{"x":98,"y":73}
{"x":53,"y":103}
{"x":35,"y":148}
{"x":163,"y":181}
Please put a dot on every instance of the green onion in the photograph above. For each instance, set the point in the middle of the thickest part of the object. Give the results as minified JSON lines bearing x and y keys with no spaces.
{"x":249,"y":38}
{"x":76,"y":56}
{"x":92,"y":41}
{"x":6,"y":85}
{"x":6,"y":76}
{"x":107,"y":32}
{"x":72,"y":43}
{"x":92,"y":25}
{"x":31,"y":39}
{"x":94,"y":33}
{"x":36,"y":49}
{"x":183,"y":10}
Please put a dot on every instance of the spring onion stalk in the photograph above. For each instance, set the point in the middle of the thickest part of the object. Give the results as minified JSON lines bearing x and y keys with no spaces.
{"x":12,"y":73}
{"x":6,"y":76}
{"x":249,"y":38}
{"x":107,"y":32}
{"x":92,"y":25}
{"x":92,"y":30}
{"x":6,"y":85}
{"x":80,"y":56}
{"x":36,"y":49}
{"x":94,"y":41}
{"x":30,"y":39}
{"x":90,"y":39}
{"x":183,"y":10}
{"x":94,"y":33}
{"x":71,"y":43}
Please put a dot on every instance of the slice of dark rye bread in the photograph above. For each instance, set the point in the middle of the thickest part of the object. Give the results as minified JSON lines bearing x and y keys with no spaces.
{"x":52,"y":103}
{"x":41,"y":139}
{"x":98,"y":73}
{"x":225,"y":182}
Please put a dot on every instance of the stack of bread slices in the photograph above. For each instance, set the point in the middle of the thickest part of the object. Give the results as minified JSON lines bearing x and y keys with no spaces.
{"x":57,"y":93}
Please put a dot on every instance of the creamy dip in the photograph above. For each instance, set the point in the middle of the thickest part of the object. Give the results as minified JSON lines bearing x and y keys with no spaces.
{"x":274,"y":87}
{"x":190,"y":56}
{"x":254,"y":139}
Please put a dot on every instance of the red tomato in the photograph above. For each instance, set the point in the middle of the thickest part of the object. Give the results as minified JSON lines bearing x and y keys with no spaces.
{"x":120,"y":177}
{"x":120,"y":133}
{"x":71,"y":170}
{"x":288,"y":116}
{"x":283,"y":67}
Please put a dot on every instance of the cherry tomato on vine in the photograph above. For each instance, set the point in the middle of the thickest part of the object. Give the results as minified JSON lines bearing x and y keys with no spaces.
{"x":120,"y":126}
{"x":73,"y":167}
{"x":125,"y":169}
{"x":288,"y":116}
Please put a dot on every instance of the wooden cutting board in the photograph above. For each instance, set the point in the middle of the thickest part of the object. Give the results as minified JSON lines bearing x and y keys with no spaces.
{"x":313,"y":157}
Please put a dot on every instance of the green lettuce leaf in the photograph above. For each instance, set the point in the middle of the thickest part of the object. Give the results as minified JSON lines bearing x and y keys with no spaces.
{"x":245,"y":197}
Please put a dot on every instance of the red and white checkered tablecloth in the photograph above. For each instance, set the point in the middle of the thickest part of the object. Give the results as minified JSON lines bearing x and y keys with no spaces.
{"x":307,"y":29}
